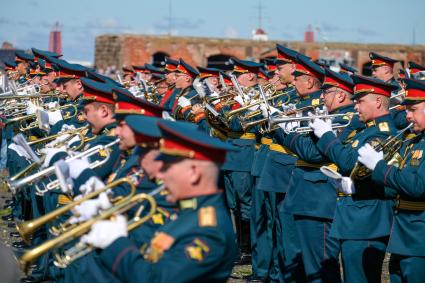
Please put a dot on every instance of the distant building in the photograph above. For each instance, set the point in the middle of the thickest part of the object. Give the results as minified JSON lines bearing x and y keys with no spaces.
{"x":309,"y":35}
{"x":259,"y":34}
{"x":55,"y":39}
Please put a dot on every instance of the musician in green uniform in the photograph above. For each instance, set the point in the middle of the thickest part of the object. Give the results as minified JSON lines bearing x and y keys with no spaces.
{"x":199,"y":245}
{"x":405,"y":181}
{"x":363,"y":215}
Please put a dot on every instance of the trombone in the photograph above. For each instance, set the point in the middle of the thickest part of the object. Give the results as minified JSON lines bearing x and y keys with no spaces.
{"x":27,"y":228}
{"x":17,"y":184}
{"x":85,"y":227}
{"x":81,"y":249}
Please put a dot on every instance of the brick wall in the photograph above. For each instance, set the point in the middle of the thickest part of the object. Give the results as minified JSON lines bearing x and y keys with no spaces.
{"x":120,"y":50}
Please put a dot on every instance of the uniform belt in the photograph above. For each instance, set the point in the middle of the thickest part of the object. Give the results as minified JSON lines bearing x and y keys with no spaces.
{"x":266,"y":141}
{"x":280,"y":148}
{"x":410,"y":205}
{"x":302,"y":163}
{"x":245,"y":136}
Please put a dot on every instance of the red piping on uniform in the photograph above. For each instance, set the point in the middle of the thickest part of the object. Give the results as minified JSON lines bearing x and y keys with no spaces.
{"x":120,"y":255}
{"x":386,"y":175}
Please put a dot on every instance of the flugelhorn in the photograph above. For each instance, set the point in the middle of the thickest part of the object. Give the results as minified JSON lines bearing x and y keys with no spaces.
{"x":27,"y":228}
{"x":83,"y":228}
{"x":81,"y":249}
{"x":390,"y":147}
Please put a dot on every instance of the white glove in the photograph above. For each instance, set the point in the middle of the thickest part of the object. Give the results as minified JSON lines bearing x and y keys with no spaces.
{"x":54,"y":117}
{"x":103,"y":233}
{"x":184,"y":102}
{"x":369,"y":156}
{"x":91,"y":185}
{"x":19,"y":150}
{"x":50,"y":153}
{"x":167,"y":116}
{"x":343,"y":184}
{"x":320,"y":127}
{"x":58,"y":140}
{"x":239,"y":100}
{"x":253,"y":108}
{"x":264,"y":111}
{"x":347,"y":186}
{"x":66,"y":127}
{"x":53,"y":104}
{"x":287,"y":127}
{"x":77,"y":166}
{"x":90,"y":208}
{"x":134,"y":90}
{"x":75,"y":139}
{"x":289,"y":107}
{"x":31,"y":108}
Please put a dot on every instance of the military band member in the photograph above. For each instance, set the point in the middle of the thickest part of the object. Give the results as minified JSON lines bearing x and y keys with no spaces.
{"x":201,"y":237}
{"x":405,"y":182}
{"x":170,"y":78}
{"x":312,"y":196}
{"x":363,"y":214}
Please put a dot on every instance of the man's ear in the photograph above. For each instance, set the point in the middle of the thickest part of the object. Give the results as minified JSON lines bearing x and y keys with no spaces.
{"x":194,"y":174}
{"x":341,"y":96}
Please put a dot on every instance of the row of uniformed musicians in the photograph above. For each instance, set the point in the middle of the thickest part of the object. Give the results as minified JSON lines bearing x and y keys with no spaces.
{"x":303,"y":175}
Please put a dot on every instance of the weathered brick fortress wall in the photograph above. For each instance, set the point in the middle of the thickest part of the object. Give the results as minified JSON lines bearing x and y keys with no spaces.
{"x":127,"y":50}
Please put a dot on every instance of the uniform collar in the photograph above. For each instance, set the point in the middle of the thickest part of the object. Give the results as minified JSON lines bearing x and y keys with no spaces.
{"x":343,"y":109}
{"x":312,"y":95}
{"x":108,"y":129}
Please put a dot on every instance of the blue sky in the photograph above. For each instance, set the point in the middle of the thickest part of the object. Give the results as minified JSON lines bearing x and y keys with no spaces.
{"x":26,"y":23}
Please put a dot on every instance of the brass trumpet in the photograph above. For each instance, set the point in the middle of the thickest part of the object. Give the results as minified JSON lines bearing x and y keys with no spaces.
{"x":248,"y":125}
{"x":390,"y":147}
{"x":85,"y":227}
{"x":27,"y":228}
{"x":81,"y":249}
{"x":307,"y":129}
{"x":230,"y":114}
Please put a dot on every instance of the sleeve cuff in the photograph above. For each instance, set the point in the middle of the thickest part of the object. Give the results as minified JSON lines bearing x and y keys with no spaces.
{"x":380,"y":173}
{"x":325,"y":141}
{"x":112,"y":255}
{"x":58,"y":156}
{"x":82,"y":178}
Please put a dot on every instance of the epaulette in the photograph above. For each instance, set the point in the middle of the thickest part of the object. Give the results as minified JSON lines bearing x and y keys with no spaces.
{"x":383,"y":127}
{"x":207,"y":217}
